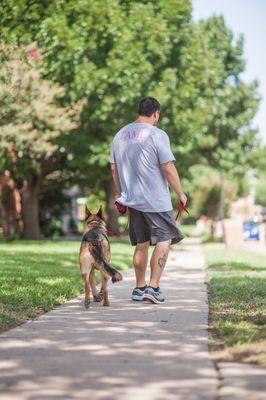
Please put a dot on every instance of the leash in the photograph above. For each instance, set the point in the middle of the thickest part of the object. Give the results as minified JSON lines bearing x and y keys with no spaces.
{"x":110,"y":232}
{"x":181,"y":207}
{"x":123,"y":209}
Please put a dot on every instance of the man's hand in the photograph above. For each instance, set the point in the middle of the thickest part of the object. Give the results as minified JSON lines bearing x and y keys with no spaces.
{"x":171,"y":174}
{"x":182,"y":198}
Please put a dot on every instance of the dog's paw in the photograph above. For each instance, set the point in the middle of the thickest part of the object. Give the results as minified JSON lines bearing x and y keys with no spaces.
{"x":106,"y":303}
{"x":87,"y":304}
{"x":98,"y":298}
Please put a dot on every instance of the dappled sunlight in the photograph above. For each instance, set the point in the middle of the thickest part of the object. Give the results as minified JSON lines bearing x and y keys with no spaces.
{"x":108,"y":352}
{"x":243,"y":381}
{"x":38,"y":275}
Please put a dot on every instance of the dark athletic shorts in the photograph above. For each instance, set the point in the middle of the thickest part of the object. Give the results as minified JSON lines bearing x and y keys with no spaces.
{"x":153,"y":226}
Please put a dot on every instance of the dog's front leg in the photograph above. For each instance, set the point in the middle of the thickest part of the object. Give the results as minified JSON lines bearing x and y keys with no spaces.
{"x":85,"y":278}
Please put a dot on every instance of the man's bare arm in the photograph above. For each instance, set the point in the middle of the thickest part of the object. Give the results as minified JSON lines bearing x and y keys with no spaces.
{"x":171,"y":174}
{"x":116,"y":178}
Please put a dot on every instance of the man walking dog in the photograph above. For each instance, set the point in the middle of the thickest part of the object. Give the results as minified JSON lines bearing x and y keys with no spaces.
{"x":142,"y":166}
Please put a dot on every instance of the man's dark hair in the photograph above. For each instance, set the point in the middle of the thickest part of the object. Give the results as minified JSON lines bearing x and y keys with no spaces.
{"x":148,"y":106}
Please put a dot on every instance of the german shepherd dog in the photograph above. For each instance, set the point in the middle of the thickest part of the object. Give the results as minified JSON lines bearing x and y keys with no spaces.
{"x":95,"y":254}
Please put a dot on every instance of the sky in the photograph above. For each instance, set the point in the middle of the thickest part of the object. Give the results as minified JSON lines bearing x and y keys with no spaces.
{"x":249,"y":18}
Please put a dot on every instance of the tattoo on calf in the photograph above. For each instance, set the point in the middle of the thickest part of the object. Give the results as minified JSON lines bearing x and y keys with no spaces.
{"x":162,"y":261}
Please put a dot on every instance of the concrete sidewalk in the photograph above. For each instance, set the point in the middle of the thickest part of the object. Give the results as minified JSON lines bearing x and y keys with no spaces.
{"x":128,"y":351}
{"x":242,"y":381}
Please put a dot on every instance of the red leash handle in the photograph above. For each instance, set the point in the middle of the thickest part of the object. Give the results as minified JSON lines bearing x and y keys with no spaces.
{"x":121,"y":208}
{"x":181,"y":207}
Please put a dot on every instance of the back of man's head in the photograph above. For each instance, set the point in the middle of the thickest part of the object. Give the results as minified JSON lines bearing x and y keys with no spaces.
{"x":148,"y":106}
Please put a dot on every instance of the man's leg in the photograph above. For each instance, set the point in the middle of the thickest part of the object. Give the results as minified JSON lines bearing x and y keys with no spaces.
{"x":140,"y":261}
{"x":158,"y":261}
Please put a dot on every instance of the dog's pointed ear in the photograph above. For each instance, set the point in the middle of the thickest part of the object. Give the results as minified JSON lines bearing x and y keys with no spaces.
{"x":100,"y":212}
{"x":87,"y":213}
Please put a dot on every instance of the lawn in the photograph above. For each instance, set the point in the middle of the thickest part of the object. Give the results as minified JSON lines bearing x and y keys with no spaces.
{"x":186,"y":229}
{"x":38,"y":275}
{"x":236,"y":289}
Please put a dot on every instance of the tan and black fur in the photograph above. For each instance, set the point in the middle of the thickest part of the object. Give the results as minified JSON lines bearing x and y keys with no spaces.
{"x":95,"y":254}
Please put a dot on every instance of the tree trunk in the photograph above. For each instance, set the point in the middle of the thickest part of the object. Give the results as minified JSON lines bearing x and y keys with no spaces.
{"x":30,"y":209}
{"x":112,"y":214}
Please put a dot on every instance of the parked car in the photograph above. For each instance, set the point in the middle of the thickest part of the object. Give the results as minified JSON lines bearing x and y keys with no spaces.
{"x":251,"y":230}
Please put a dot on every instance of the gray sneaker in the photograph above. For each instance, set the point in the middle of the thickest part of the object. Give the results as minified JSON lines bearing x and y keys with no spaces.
{"x":137,"y":294}
{"x":153,"y":296}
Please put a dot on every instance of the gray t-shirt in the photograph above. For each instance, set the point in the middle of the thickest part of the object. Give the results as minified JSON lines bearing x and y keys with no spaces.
{"x":138,"y":149}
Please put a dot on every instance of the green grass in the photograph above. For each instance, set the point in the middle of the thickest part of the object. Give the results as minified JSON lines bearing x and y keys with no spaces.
{"x":207,"y":238}
{"x":38,"y":275}
{"x":186,"y":229}
{"x":237,"y":287}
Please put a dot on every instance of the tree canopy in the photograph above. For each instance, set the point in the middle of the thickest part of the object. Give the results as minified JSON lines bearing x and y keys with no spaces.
{"x":110,"y":54}
{"x":114,"y":53}
{"x":32,"y":121}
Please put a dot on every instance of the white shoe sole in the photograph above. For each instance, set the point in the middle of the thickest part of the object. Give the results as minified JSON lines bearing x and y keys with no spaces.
{"x":137,"y":298}
{"x":153,"y":299}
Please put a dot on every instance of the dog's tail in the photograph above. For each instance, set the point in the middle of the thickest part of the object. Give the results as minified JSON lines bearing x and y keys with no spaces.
{"x":105,"y":266}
